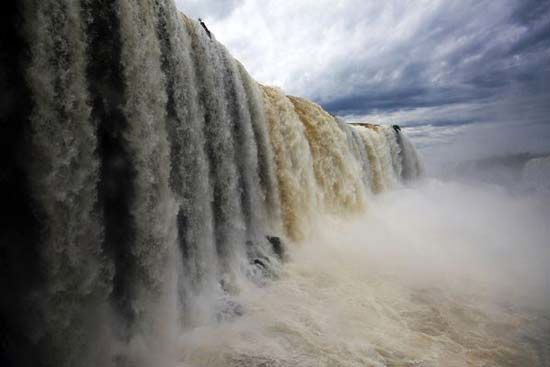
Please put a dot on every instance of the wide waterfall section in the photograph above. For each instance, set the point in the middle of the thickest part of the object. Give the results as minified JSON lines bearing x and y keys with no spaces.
{"x":336,"y":168}
{"x":149,"y":179}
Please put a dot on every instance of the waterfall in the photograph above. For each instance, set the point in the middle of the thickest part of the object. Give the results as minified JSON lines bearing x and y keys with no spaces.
{"x":337,"y":171}
{"x":148,"y":178}
{"x":294,"y":163}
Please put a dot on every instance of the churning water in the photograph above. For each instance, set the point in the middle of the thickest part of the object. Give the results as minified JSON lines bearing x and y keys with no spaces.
{"x":438,"y":274}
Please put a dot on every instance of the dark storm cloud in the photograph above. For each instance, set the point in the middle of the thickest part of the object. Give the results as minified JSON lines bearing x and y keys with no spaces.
{"x":401,"y":98}
{"x":488,"y":61}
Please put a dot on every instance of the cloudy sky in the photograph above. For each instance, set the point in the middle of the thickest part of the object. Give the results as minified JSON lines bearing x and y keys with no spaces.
{"x":413,"y":62}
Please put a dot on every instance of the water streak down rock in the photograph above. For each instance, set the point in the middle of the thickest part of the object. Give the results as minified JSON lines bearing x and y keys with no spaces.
{"x":145,"y":175}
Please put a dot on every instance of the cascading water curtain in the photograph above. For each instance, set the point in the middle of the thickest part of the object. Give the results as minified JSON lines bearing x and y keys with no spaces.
{"x":147,"y":178}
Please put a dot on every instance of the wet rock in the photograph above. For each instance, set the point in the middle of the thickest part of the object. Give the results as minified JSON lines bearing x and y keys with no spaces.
{"x":277,"y":246}
{"x":259,"y":263}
